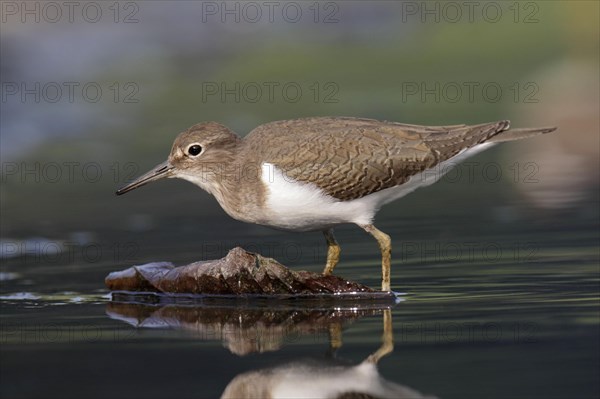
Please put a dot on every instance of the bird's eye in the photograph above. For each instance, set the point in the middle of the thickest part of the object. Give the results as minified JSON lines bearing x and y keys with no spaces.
{"x":194,"y":150}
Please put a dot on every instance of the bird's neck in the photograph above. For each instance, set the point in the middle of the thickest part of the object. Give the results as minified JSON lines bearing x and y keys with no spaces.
{"x":225,"y":178}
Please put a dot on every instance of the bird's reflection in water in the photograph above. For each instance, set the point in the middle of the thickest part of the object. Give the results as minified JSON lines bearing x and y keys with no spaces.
{"x":248,"y":329}
{"x":324,"y":378}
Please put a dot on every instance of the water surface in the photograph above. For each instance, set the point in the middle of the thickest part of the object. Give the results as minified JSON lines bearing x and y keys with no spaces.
{"x":505,"y":313}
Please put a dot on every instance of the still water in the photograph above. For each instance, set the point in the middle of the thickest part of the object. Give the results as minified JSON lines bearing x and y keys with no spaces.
{"x":506,"y":312}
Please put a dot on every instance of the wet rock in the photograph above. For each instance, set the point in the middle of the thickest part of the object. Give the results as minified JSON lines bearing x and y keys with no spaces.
{"x":238,"y":273}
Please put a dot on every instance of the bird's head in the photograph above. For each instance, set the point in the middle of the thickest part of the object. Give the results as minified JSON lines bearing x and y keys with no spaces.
{"x":197,"y":155}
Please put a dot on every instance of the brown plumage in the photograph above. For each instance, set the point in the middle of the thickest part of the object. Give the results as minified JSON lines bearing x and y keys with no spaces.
{"x":349,"y":158}
{"x":333,"y":170}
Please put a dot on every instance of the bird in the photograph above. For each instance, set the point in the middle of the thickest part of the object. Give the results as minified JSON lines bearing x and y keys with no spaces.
{"x":316,"y":173}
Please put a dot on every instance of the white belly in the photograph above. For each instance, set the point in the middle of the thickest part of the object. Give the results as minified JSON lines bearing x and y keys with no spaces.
{"x":297,"y":206}
{"x":307,"y":382}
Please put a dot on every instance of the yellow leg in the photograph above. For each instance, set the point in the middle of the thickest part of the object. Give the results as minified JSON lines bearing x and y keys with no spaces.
{"x":387,"y":345}
{"x":385,"y":245}
{"x":335,"y":336}
{"x":333,"y":252}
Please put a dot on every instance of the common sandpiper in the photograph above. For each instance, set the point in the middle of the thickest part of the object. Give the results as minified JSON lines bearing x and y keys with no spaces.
{"x":314,"y":174}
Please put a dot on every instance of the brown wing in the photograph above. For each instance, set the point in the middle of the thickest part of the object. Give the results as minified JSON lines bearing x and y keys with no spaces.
{"x":349,"y":158}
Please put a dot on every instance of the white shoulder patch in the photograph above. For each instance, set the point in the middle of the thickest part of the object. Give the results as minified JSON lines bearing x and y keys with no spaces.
{"x":299,"y":206}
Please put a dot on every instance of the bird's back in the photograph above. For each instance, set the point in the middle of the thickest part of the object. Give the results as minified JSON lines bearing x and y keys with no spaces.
{"x":349,"y":158}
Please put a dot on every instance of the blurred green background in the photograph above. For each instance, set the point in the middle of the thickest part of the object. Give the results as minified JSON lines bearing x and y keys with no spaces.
{"x":158,"y":62}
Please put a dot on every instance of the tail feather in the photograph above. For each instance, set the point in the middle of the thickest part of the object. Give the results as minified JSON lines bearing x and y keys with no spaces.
{"x":447,"y":144}
{"x":517,"y":134}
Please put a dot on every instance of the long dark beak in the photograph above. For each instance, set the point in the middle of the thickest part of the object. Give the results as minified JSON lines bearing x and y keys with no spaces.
{"x":163,"y":170}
